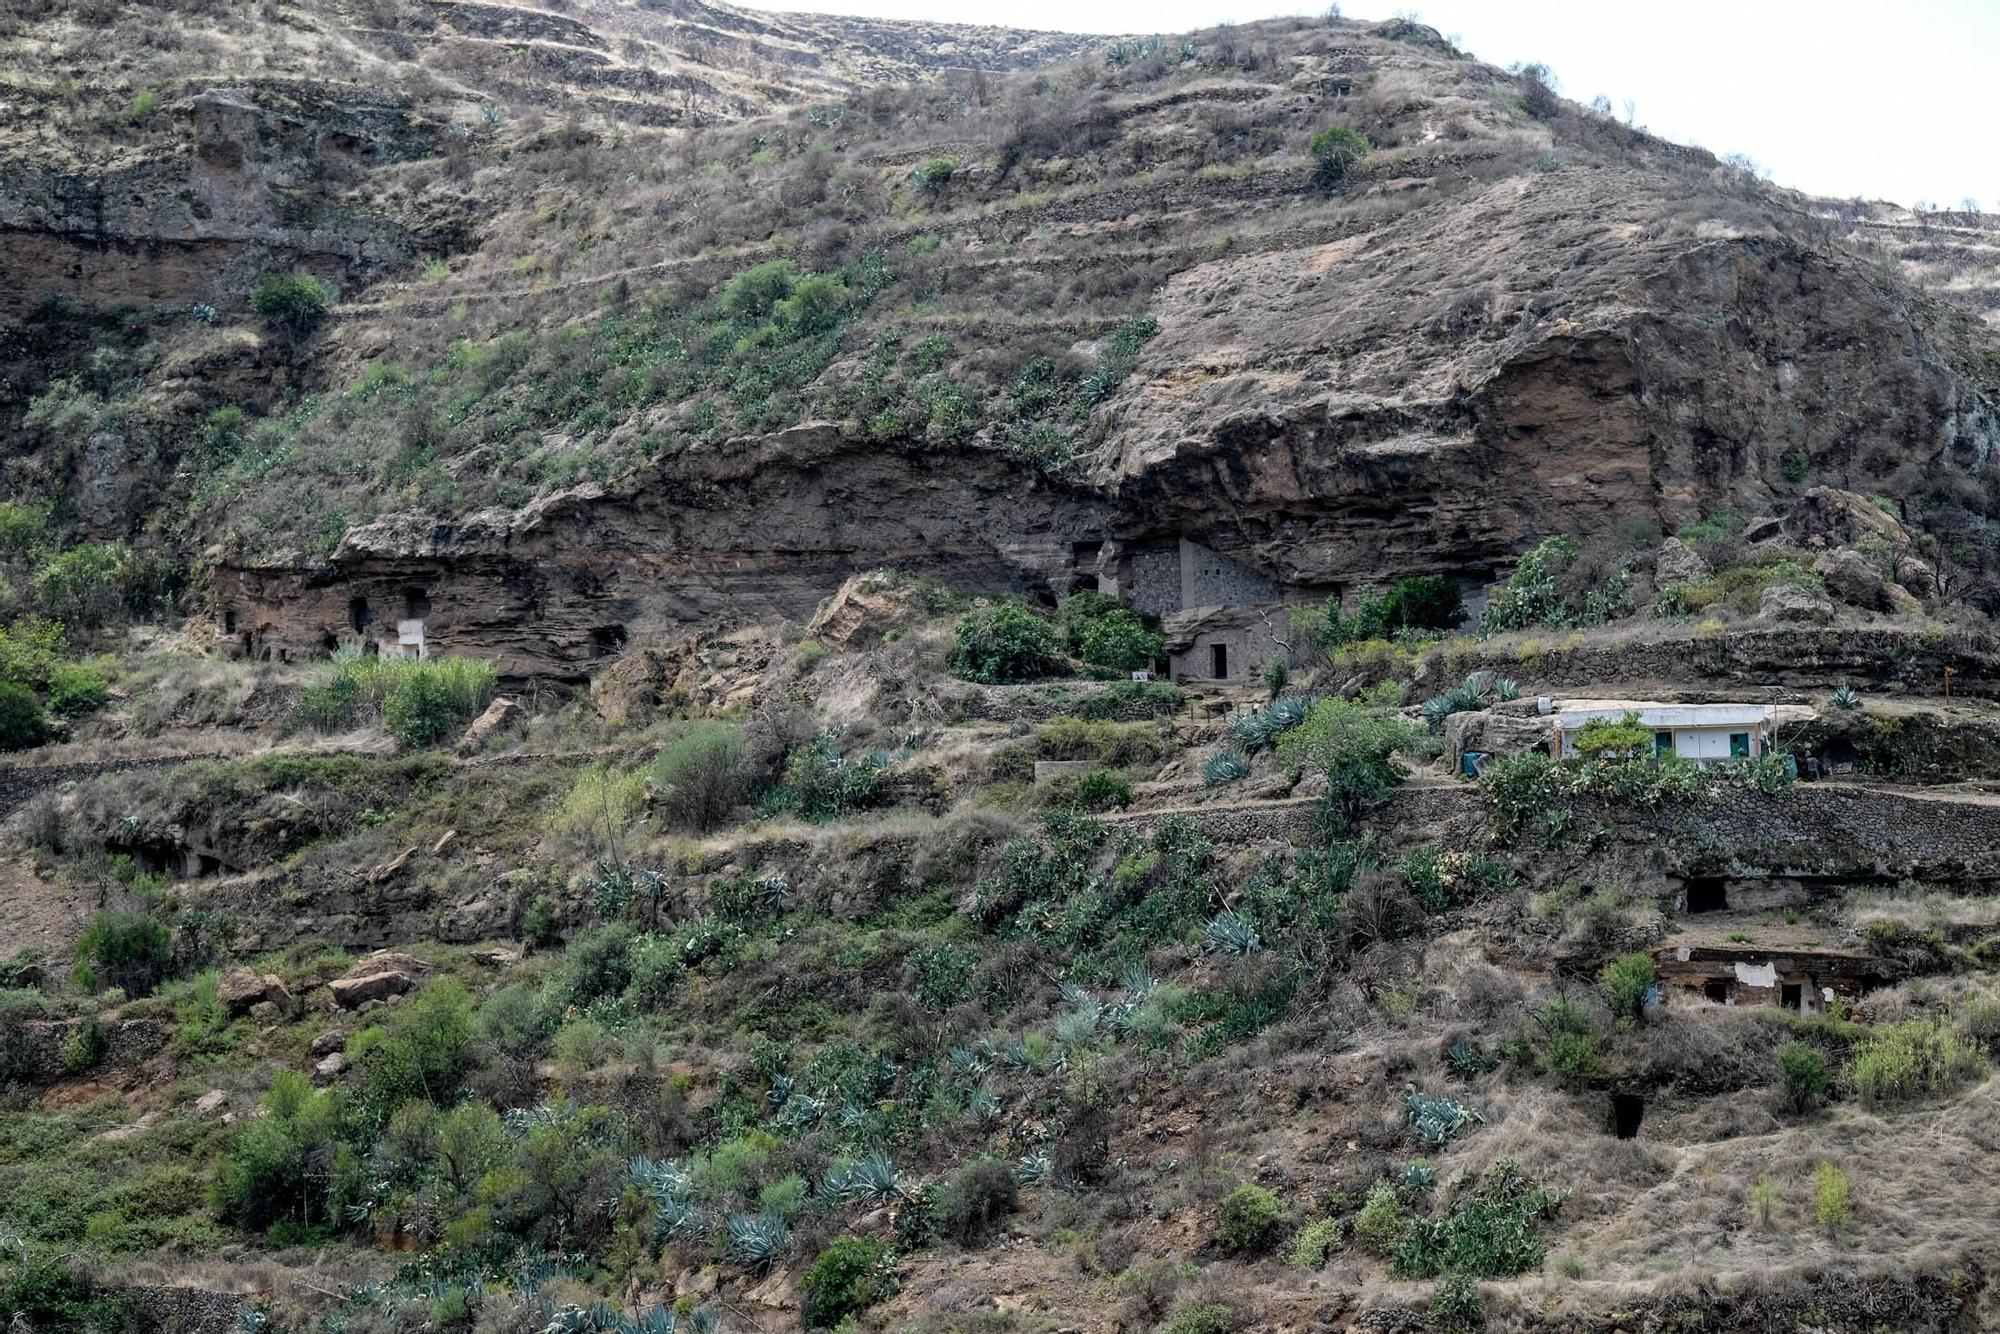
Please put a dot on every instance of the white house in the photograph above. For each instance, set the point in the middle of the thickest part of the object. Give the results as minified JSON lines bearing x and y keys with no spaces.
{"x":1698,"y":732}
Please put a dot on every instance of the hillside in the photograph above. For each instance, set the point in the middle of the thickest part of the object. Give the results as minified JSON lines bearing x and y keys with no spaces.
{"x":664,"y":667}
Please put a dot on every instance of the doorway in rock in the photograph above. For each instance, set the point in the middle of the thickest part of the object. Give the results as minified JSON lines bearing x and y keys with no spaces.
{"x":1707,"y":893}
{"x":1717,"y":990}
{"x":1218,"y":661}
{"x":1792,"y":996}
{"x":1627,"y":1111}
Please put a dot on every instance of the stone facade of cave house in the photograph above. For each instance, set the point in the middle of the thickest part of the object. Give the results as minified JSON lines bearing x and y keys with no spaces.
{"x":1221,"y":619}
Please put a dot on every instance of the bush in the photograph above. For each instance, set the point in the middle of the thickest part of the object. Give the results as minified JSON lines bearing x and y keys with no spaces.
{"x":292,"y":303}
{"x":1251,"y":1220}
{"x":1804,"y":1075}
{"x":1100,"y":790}
{"x":1121,"y":642}
{"x":1545,"y":591}
{"x":1914,"y":1058}
{"x":1379,"y":1225}
{"x":23,"y":725}
{"x":1833,"y":1197}
{"x":976,"y":1200}
{"x":76,"y":689}
{"x":1335,"y":151}
{"x":1350,"y":743}
{"x":1627,"y":981}
{"x":1491,"y":1235}
{"x":823,"y":784}
{"x":422,"y":1052}
{"x":127,"y":950}
{"x":935,"y":174}
{"x":1200,"y":1318}
{"x":851,"y":1275}
{"x":22,"y":528}
{"x":944,"y":974}
{"x":700,"y":776}
{"x":1002,"y":642}
{"x":1422,"y":602}
{"x":756,"y":292}
{"x":85,"y":586}
{"x":1108,"y":743}
{"x":275,"y":1167}
{"x":1314,"y":1244}
{"x":429,"y":700}
{"x":1455,"y":1306}
{"x":539,"y":926}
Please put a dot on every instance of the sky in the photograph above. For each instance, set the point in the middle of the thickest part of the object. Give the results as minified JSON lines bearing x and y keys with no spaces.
{"x":1890,"y":100}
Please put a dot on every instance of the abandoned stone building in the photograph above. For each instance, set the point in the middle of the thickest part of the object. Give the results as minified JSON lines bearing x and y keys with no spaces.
{"x":1221,"y":619}
{"x":1806,"y":978}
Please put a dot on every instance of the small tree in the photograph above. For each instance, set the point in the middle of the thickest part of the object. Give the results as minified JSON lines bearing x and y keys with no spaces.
{"x":1423,"y":602}
{"x":1336,"y":150}
{"x":1538,"y":91}
{"x":1121,"y":641}
{"x":1350,"y":743}
{"x":1626,"y":981}
{"x":755,"y":292}
{"x":700,"y":776}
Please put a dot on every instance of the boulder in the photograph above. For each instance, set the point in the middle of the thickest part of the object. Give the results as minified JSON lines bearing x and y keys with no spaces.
{"x":1792,"y":605}
{"x":1678,"y":563}
{"x":389,"y":868}
{"x":209,"y":1102}
{"x":629,"y":689}
{"x":502,"y":713}
{"x":333,"y":1040}
{"x":353,"y":992}
{"x":238,"y":990}
{"x":864,"y":609}
{"x":280,"y":995}
{"x":1851,"y":578}
{"x":330,"y":1067}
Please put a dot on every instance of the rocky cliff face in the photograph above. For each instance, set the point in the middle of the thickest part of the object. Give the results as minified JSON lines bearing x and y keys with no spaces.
{"x":1498,"y":327}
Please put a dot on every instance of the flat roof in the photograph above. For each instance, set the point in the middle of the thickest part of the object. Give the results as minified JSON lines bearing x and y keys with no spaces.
{"x":1570,"y":714}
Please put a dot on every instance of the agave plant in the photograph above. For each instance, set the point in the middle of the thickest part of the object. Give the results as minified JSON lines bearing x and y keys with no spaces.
{"x":677,"y":1218}
{"x":774,"y":892}
{"x":1138,"y":983}
{"x":1231,"y":933}
{"x":982,"y":1104}
{"x":1506,"y":688}
{"x":1251,"y":731}
{"x":1438,"y":1119}
{"x":1225,"y":767}
{"x":1034,"y":1169}
{"x":1285,"y":713}
{"x":873,"y":1178}
{"x":1845,"y":698}
{"x":1416,"y":1177}
{"x":780,"y":1092}
{"x":758,"y":1241}
{"x":1467,"y":1061}
{"x":663,"y":1180}
{"x":967,"y":1062}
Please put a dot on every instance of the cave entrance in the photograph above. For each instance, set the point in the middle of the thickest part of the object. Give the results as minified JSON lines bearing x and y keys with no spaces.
{"x":1218,"y":661}
{"x":1627,"y":1111}
{"x":1707,"y":893}
{"x":607,"y":639}
{"x":1792,"y":996}
{"x":358,"y":615}
{"x":1717,"y":990}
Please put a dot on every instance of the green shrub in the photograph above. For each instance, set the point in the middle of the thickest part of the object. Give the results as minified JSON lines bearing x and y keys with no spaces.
{"x":1915,"y":1058}
{"x":1200,"y":1318}
{"x":292,"y":303}
{"x":944,"y":974}
{"x":76,"y":688}
{"x":976,"y":1200}
{"x":1804,"y":1075}
{"x":23,"y":725}
{"x":423,"y":1051}
{"x":1833,"y":1197}
{"x":22,"y":528}
{"x":1626,"y":982}
{"x":85,"y":1046}
{"x":1455,"y":1306}
{"x":821,"y":783}
{"x":539,"y":926}
{"x":430,"y":699}
{"x":1544,"y":591}
{"x":1002,"y":642}
{"x":756,"y":292}
{"x":127,"y":950}
{"x":85,"y":587}
{"x":851,"y":1275}
{"x":1108,"y":743}
{"x":1101,"y":790}
{"x":1491,"y":1235}
{"x":1574,"y":1058}
{"x":1314,"y":1244}
{"x":1379,"y":1225}
{"x":1422,"y":602}
{"x":1350,"y":743}
{"x":1335,"y":151}
{"x":275,"y":1168}
{"x":1251,"y":1220}
{"x":700,"y":776}
{"x":1121,"y":642}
